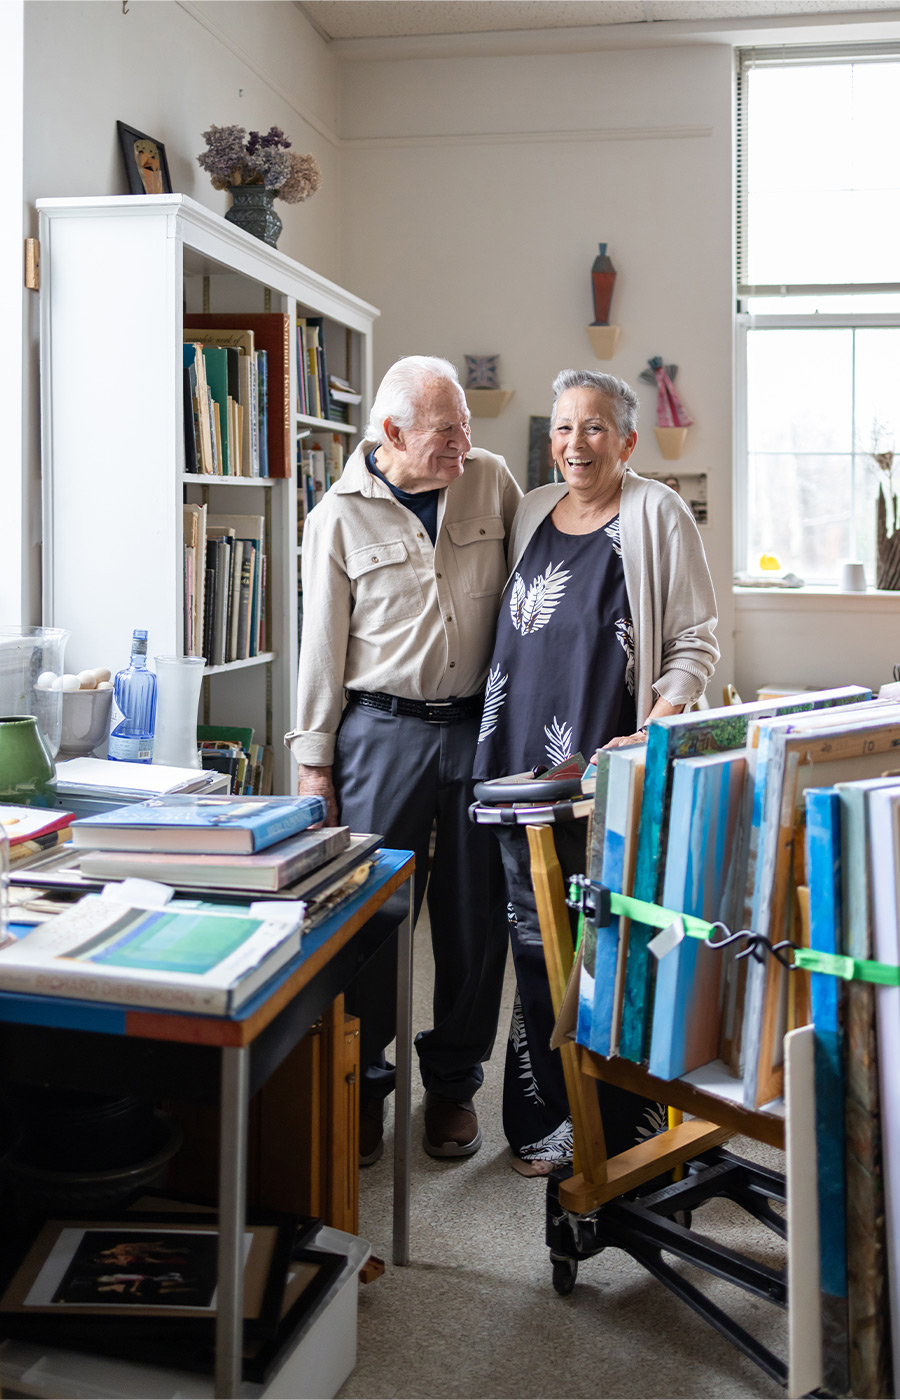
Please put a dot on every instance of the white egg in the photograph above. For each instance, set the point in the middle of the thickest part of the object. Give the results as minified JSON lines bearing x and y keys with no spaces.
{"x":87,"y":680}
{"x":104,"y":685}
{"x":57,"y":683}
{"x":69,"y":682}
{"x":46,"y":680}
{"x":102,"y":673}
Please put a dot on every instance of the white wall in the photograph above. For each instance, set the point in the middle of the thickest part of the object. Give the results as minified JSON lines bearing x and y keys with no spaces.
{"x":12,"y":550}
{"x":476,"y":193}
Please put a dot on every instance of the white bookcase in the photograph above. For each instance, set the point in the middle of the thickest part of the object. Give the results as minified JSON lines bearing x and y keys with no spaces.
{"x":118,"y":274}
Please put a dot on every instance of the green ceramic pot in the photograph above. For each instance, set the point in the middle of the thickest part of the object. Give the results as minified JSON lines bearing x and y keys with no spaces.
{"x":26,"y":768}
{"x":252,"y":209}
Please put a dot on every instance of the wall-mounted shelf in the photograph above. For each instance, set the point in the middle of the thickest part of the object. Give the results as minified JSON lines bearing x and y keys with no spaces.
{"x":604,"y":340}
{"x":488,"y":403}
{"x":671,"y":442}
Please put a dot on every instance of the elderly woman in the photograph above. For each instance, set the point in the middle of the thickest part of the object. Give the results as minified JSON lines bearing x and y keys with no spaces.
{"x":607,"y":623}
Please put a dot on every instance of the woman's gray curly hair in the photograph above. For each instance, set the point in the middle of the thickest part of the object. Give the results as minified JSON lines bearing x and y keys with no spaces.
{"x":624,"y":402}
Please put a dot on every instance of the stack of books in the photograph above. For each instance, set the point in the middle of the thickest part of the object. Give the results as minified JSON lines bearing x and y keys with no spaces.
{"x":319,"y":467}
{"x":31,"y":831}
{"x":231,"y":750}
{"x":134,"y":943}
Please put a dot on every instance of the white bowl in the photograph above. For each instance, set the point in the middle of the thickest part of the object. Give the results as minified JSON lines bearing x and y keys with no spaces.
{"x":85,"y":721}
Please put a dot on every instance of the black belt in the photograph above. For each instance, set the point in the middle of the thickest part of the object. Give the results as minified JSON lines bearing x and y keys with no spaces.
{"x":435,"y":711}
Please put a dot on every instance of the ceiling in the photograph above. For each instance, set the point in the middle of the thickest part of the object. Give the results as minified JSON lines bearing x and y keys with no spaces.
{"x":393,"y":19}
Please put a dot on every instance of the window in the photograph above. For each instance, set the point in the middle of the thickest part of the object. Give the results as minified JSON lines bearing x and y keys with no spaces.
{"x":818,"y":325}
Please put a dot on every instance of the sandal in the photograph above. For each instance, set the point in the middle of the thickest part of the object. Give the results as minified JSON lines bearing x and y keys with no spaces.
{"x":539,"y":1167}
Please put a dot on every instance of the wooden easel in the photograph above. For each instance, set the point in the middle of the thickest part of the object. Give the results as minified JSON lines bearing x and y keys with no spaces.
{"x":599,"y":1178}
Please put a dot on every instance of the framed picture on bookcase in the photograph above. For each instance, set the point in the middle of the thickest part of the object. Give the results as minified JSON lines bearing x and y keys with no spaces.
{"x":145,"y":162}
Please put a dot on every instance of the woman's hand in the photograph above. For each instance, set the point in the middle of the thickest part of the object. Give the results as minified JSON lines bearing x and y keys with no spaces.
{"x":622,"y":739}
{"x":660,"y":710}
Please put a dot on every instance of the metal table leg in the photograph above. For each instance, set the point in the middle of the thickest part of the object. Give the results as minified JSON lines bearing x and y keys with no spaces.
{"x":232,"y":1213}
{"x":402,"y":1091}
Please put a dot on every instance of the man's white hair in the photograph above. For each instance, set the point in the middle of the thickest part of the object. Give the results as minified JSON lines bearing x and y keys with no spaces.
{"x":400,"y":392}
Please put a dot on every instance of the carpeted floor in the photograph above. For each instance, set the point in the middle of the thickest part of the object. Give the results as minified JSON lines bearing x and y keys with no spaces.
{"x":475,"y":1315}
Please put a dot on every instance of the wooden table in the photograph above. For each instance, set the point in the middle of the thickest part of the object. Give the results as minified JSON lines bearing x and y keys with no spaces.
{"x":65,"y":1043}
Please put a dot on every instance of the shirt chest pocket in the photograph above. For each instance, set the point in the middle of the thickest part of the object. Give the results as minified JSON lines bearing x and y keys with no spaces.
{"x":385,"y":586}
{"x":478,"y":545}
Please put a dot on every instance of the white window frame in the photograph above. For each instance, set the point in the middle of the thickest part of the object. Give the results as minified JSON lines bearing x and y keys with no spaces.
{"x":745,"y":320}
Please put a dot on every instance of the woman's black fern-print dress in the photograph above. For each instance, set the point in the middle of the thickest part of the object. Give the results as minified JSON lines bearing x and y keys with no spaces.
{"x":561,"y":681}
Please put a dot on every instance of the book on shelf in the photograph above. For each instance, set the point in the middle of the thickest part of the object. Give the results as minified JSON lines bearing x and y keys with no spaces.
{"x":271,"y":869}
{"x":215,"y":358}
{"x":315,"y":326}
{"x":207,"y":824}
{"x":194,"y":524}
{"x":203,"y":454}
{"x":302,"y":386}
{"x":271,"y":334}
{"x":177,"y":957}
{"x":262,"y":409}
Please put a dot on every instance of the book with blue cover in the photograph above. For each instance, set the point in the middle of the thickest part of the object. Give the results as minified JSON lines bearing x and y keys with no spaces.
{"x":175,"y":957}
{"x":238,"y":825}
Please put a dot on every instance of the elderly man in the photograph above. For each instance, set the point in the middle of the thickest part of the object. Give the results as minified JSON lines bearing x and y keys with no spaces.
{"x":403,"y":565}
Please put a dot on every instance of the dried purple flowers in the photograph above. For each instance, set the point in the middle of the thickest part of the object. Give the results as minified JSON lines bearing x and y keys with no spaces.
{"x":234,"y":158}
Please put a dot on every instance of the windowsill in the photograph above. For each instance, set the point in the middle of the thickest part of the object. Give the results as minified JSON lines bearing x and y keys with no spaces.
{"x":813,"y":597}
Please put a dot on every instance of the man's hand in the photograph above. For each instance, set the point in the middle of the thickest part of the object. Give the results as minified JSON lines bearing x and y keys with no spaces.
{"x":316,"y":782}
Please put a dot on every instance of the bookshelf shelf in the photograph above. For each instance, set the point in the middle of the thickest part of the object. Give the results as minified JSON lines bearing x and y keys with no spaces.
{"x":262,"y":659}
{"x":205,"y":479}
{"x":303,"y":421}
{"x":114,"y":424}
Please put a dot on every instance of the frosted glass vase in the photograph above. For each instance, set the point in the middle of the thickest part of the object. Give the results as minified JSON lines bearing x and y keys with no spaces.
{"x":178,"y":682}
{"x":31,"y":660}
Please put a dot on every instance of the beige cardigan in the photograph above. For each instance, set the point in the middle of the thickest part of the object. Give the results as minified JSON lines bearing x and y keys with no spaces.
{"x":673,"y":606}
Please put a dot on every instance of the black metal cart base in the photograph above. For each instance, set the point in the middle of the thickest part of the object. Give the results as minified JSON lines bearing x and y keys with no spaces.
{"x":657,"y":1222}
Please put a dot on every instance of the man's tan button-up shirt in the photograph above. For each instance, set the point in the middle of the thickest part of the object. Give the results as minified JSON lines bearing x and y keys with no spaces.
{"x":385,"y":610}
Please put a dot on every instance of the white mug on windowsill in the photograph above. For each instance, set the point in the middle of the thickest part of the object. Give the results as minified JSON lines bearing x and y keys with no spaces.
{"x":853,"y":576}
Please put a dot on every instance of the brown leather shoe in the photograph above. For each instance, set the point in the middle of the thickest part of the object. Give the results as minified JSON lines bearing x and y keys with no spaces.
{"x":371,"y":1131}
{"x":451,"y":1129}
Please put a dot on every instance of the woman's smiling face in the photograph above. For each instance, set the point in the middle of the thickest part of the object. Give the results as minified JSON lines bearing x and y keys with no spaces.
{"x":586,"y":443}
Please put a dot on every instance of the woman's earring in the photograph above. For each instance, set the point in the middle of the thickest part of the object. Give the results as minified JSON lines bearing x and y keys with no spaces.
{"x":555,"y":472}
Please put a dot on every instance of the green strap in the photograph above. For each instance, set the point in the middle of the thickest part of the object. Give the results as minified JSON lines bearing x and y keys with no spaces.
{"x":851,"y":969}
{"x":808,"y":959}
{"x":656,"y":916}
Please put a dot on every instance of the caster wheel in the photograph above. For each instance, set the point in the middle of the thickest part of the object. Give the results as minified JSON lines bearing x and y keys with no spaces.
{"x":565,"y":1272}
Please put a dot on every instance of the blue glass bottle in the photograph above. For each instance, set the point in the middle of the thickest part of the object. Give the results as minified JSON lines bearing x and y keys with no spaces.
{"x":134,"y":692}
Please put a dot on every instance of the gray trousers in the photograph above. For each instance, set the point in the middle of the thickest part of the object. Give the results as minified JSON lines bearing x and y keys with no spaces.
{"x":398,"y":776}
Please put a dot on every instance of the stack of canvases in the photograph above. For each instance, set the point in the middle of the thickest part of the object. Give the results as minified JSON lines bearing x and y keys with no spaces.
{"x":781,"y":818}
